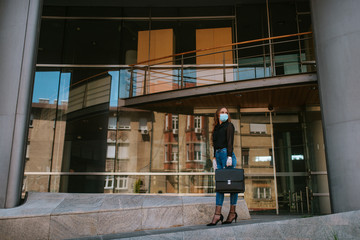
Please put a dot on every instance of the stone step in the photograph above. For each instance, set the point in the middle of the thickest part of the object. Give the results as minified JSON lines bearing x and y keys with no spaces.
{"x":329,"y":227}
{"x":64,"y":215}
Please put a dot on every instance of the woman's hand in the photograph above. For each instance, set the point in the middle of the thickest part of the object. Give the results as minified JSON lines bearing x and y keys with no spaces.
{"x":229,"y":161}
{"x":214,"y":164}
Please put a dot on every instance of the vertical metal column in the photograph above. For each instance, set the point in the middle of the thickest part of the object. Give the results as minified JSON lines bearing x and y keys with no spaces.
{"x":131,"y":82}
{"x":19,"y":28}
{"x":270,"y":41}
{"x":182,"y":72}
{"x":147,"y":69}
{"x":274,"y":164}
{"x":236,"y":50}
{"x":224,"y":68}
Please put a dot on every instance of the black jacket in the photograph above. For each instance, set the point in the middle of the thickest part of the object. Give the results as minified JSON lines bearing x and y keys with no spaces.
{"x":223,"y":137}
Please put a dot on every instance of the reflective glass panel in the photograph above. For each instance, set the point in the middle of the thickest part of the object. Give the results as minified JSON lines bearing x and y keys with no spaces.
{"x":257,"y":161}
{"x":39,"y":152}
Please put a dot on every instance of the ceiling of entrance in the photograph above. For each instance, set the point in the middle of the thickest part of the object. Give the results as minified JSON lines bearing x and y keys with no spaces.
{"x":279,"y":97}
{"x":155,"y":3}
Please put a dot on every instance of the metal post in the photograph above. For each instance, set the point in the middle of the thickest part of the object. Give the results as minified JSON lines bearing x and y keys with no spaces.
{"x":54,"y":131}
{"x":131,"y":82}
{"x":182,"y":72}
{"x":299,"y":39}
{"x":151,"y":148}
{"x":296,"y":202}
{"x":307,"y":199}
{"x":224,"y":67}
{"x":290,"y":202}
{"x":144,"y":85}
{"x":274,"y":164}
{"x":269,"y":35}
{"x":301,"y":202}
{"x":236,"y":50}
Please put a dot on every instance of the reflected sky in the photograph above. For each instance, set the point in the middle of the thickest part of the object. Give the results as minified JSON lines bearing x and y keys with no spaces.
{"x":46,"y":86}
{"x":114,"y":94}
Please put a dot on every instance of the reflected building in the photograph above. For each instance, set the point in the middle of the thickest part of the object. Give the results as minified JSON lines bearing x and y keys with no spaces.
{"x":42,"y":154}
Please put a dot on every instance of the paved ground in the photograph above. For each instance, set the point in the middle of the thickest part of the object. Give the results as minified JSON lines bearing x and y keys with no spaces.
{"x":254,"y":219}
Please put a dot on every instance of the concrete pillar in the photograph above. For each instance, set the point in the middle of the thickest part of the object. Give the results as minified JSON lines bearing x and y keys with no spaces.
{"x":337,"y":40}
{"x":19,"y":28}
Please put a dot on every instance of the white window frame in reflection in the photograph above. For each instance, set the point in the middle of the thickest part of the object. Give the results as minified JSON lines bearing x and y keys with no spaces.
{"x":261,"y":193}
{"x":175,"y":155}
{"x":109,"y":182}
{"x":197,"y":122}
{"x":27,"y":156}
{"x":263,"y":159}
{"x":122,"y":182}
{"x":197,"y":154}
{"x":175,"y":122}
{"x":297,"y":157}
{"x":256,"y":128}
{"x":124,"y":123}
{"x":143,"y":125}
{"x":112,"y":123}
{"x":110,"y":151}
{"x":123,"y":151}
{"x":166,"y":122}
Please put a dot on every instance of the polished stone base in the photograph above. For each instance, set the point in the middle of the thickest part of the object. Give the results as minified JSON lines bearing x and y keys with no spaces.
{"x":62,"y":215}
{"x":344,"y":226}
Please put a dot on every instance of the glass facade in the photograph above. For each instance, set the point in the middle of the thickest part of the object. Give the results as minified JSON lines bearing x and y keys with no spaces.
{"x":82,"y":140}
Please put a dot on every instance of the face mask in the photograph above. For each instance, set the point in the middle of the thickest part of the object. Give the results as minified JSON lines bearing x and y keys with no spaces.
{"x":224,"y":117}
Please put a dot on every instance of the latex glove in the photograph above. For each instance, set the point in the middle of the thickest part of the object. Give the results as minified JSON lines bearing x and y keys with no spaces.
{"x":229,"y":161}
{"x":214,"y":164}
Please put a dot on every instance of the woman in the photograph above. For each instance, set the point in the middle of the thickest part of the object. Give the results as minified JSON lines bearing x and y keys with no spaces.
{"x":223,"y":141}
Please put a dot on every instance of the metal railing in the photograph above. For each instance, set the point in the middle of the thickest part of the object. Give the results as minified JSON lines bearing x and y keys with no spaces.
{"x":259,"y":58}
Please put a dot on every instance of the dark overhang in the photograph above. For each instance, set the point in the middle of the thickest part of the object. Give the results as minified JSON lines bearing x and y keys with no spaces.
{"x":155,"y":3}
{"x":280,"y":92}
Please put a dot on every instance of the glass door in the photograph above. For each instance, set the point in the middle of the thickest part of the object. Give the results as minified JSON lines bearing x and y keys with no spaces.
{"x":291,"y":163}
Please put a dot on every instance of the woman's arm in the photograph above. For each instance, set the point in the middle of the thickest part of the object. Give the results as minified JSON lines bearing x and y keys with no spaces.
{"x":230,"y":139}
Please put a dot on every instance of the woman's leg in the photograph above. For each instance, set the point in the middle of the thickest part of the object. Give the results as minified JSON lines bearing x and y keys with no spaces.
{"x":219,"y":199}
{"x":233,"y":198}
{"x":220,"y":164}
{"x":219,"y":196}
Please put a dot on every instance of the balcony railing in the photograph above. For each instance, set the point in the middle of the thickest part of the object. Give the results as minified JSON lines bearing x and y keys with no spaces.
{"x":260,"y":58}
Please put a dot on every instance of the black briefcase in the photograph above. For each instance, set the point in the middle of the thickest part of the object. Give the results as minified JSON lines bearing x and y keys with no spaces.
{"x":229,"y":180}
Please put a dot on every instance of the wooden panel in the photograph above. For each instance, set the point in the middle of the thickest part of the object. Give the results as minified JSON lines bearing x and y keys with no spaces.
{"x":213,"y":37}
{"x":143,"y":46}
{"x":161,"y":45}
{"x":210,"y":38}
{"x":204,"y":40}
{"x":223,"y":36}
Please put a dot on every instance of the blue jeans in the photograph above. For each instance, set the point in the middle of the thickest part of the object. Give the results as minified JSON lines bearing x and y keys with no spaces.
{"x":221,"y":158}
